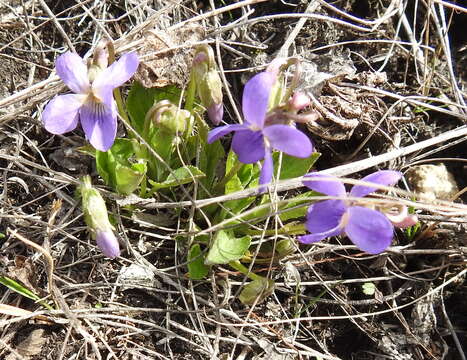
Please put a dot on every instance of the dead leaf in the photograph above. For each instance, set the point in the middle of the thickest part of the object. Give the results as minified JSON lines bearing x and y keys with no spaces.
{"x":29,"y":346}
{"x":24,"y":272}
{"x":167,"y":56}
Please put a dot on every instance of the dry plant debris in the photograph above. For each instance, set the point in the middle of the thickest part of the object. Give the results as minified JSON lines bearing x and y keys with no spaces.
{"x":387,"y":80}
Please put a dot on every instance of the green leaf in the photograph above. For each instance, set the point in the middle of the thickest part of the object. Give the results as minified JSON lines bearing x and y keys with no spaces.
{"x":22,"y":290}
{"x":293,"y":167}
{"x":87,"y":150}
{"x":256,"y":291}
{"x":234,"y":184}
{"x":210,"y":157}
{"x":285,"y":247}
{"x":103,"y":167}
{"x":117,"y":168}
{"x":161,"y":141}
{"x":141,"y":99}
{"x":196,"y":268}
{"x":183,"y":175}
{"x":129,"y":178}
{"x":295,"y":201}
{"x":18,"y":288}
{"x":226,"y":248}
{"x":238,"y":182}
{"x":123,"y":150}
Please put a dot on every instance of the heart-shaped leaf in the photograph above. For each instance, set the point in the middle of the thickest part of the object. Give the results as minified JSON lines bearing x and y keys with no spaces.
{"x":227,"y":248}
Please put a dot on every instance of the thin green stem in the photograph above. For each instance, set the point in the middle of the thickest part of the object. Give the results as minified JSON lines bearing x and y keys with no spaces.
{"x":233,"y":171}
{"x":189,"y":104}
{"x":288,"y":229}
{"x":237,"y":265}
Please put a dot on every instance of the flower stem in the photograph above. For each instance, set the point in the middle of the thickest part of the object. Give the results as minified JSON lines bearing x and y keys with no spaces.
{"x":233,"y":171}
{"x":189,"y":103}
{"x":292,"y":229}
{"x":237,"y":265}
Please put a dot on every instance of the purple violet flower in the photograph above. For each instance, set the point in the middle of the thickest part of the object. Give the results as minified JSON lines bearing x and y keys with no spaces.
{"x":254,"y":139}
{"x":370,"y":230}
{"x":92,"y":102}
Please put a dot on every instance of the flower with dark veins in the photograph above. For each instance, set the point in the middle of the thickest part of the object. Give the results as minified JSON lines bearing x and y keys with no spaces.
{"x":92,"y":102}
{"x":370,"y":230}
{"x":254,"y":140}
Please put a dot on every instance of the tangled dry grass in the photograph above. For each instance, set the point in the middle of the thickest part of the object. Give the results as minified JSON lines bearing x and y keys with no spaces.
{"x":142,"y":305}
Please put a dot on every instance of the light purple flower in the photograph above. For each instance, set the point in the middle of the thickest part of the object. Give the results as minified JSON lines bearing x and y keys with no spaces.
{"x":108,"y":243}
{"x":92,"y":102}
{"x":254,"y":140}
{"x":368,"y":229}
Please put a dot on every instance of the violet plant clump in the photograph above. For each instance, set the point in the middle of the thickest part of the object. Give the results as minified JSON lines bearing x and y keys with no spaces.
{"x":369,"y":229}
{"x":255,"y":139}
{"x":92,"y":102}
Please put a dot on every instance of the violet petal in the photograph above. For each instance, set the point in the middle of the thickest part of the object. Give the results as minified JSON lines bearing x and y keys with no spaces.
{"x":325,"y":184}
{"x":108,"y":243}
{"x":369,"y":229}
{"x":61,"y":113}
{"x":99,"y":122}
{"x":267,"y":169}
{"x":249,"y":146}
{"x":289,"y":140}
{"x":324,"y":220}
{"x":382,"y":177}
{"x":255,"y":99}
{"x":72,"y":70}
{"x":221,"y":131}
{"x":116,"y":74}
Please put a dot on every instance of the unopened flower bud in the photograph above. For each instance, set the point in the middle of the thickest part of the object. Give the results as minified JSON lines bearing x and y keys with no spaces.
{"x":275,"y":66}
{"x":299,"y":101}
{"x":101,"y":55}
{"x":208,"y":83}
{"x":97,"y":219}
{"x":108,"y":243}
{"x":100,"y":61}
{"x":409,"y":220}
{"x":169,"y":116}
{"x":200,"y":59}
{"x":215,"y":113}
{"x":399,"y":216}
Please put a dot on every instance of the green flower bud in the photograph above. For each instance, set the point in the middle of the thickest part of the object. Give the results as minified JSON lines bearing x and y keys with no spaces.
{"x":97,"y":219}
{"x":169,"y":117}
{"x":208,"y":82}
